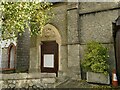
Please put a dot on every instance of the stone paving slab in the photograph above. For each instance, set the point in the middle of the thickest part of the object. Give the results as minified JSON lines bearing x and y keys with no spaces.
{"x":83,"y":84}
{"x":74,"y":84}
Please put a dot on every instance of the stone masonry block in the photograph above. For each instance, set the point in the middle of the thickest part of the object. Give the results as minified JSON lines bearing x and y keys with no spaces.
{"x":97,"y":26}
{"x":86,"y":7}
{"x":23,"y":52}
{"x":72,"y":16}
{"x":48,"y":75}
{"x":73,"y":55}
{"x":48,"y":80}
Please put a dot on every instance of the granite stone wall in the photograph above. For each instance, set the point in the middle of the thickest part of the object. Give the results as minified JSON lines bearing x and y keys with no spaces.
{"x":23,"y":52}
{"x":87,"y":7}
{"x":73,"y":25}
{"x":73,"y":41}
{"x":4,"y":62}
{"x":4,"y":52}
{"x":96,"y":24}
{"x":25,"y":80}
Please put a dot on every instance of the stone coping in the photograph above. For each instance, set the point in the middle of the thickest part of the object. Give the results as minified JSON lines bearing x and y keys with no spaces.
{"x":20,"y":76}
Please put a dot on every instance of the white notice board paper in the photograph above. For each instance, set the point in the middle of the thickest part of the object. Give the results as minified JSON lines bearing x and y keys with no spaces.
{"x":49,"y":60}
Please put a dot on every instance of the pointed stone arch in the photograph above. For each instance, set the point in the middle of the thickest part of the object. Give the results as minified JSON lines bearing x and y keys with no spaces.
{"x":11,"y":55}
{"x":50,"y":33}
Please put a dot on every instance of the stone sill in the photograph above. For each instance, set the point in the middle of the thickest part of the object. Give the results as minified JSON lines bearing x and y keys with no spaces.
{"x":46,"y":75}
{"x":7,"y":70}
{"x":20,"y":76}
{"x":1,"y":69}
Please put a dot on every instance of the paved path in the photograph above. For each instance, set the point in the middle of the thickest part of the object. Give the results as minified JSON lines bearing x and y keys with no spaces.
{"x":74,"y":84}
{"x":82,"y":84}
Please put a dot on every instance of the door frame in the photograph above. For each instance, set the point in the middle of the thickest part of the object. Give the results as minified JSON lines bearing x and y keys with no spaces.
{"x":116,"y":29}
{"x":56,"y":58}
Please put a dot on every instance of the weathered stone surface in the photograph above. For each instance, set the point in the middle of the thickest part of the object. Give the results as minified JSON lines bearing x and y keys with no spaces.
{"x":63,"y":58}
{"x":33,"y":61}
{"x":97,"y":26}
{"x":59,"y":21}
{"x":74,"y":72}
{"x":72,"y":27}
{"x":48,"y":80}
{"x":23,"y":52}
{"x":62,"y":76}
{"x":14,"y":76}
{"x":98,"y":78}
{"x":33,"y":41}
{"x":74,"y":61}
{"x":82,"y":52}
{"x":45,"y":75}
{"x":26,"y":83}
{"x":0,"y":55}
{"x":72,"y":5}
{"x":86,"y":7}
{"x":73,"y":55}
{"x":4,"y":62}
{"x":77,"y":84}
{"x":1,"y":84}
{"x":35,"y":75}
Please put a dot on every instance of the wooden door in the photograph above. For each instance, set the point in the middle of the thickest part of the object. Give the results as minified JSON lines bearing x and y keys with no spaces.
{"x":118,"y":53}
{"x":49,"y":57}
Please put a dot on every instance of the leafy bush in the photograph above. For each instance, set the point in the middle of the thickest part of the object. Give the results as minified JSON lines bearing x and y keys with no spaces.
{"x":95,"y":58}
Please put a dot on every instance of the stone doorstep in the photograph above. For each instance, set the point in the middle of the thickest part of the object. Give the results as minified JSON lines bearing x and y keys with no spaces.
{"x":14,"y":76}
{"x":26,"y":75}
{"x":34,"y":75}
{"x":48,"y":80}
{"x":48,"y":75}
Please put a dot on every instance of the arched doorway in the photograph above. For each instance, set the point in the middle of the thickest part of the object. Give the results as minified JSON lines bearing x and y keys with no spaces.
{"x":49,"y":44}
{"x":49,"y":56}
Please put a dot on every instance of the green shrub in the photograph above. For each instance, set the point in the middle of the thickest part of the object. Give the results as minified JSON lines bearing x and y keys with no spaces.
{"x":95,"y":58}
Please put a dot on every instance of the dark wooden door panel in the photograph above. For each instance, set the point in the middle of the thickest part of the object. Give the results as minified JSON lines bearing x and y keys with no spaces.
{"x":118,"y":53}
{"x":118,"y":47}
{"x":49,"y":48}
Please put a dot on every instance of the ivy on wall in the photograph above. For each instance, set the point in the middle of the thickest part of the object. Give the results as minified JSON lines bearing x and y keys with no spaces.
{"x":16,"y":16}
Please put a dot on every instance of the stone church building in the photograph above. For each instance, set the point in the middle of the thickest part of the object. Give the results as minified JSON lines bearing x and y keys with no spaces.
{"x":54,"y":57}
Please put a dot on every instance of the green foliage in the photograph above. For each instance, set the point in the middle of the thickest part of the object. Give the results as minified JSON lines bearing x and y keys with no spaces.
{"x":95,"y":58}
{"x":16,"y":16}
